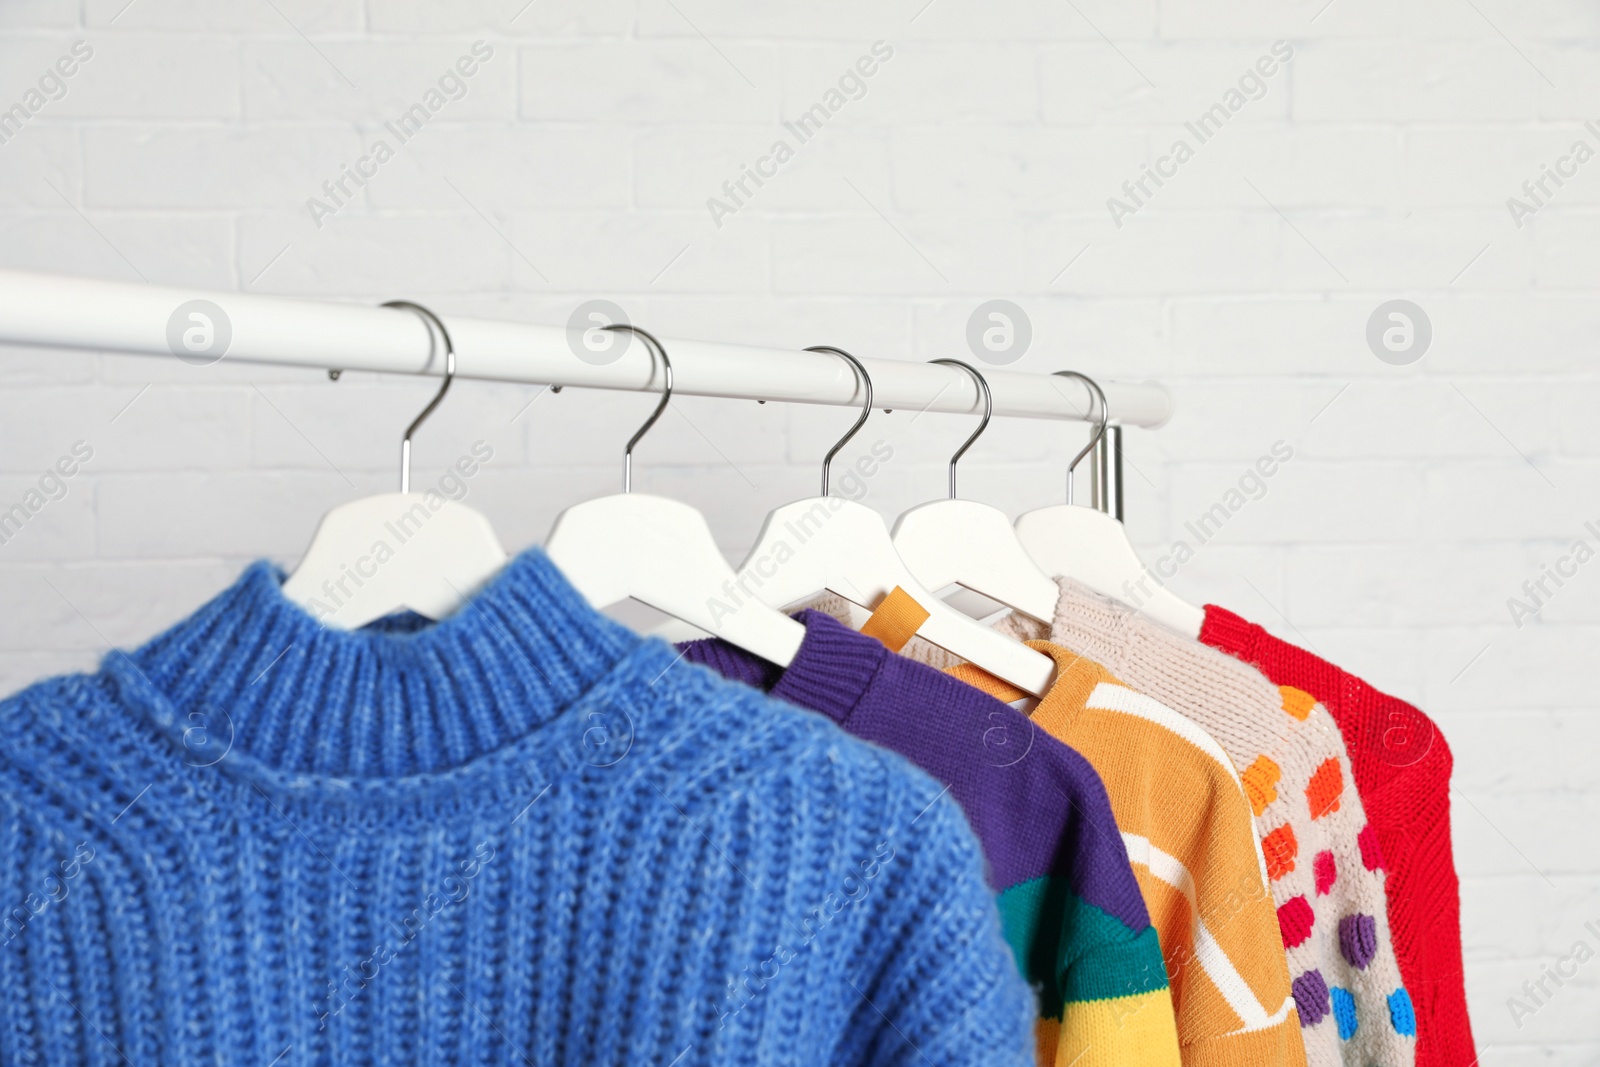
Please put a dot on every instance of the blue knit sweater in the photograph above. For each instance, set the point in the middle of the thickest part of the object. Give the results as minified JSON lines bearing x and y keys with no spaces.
{"x":520,"y":835}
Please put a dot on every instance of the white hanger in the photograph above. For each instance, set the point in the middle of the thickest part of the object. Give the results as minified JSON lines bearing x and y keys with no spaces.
{"x":839,"y":545}
{"x":963,"y":542}
{"x":393,"y":551}
{"x":1092,"y":547}
{"x":661,"y":552}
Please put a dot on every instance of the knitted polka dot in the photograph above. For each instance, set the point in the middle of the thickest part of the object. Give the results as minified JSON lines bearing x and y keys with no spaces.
{"x":1401,"y":1017}
{"x":1371,"y":854}
{"x":1311,"y":997}
{"x":1399,"y":768}
{"x":1280,"y":848}
{"x":1358,"y":939}
{"x":1325,"y":870}
{"x":1295,"y":919}
{"x":1252,"y":717}
{"x":1297,"y":702}
{"x":1344,"y":1012}
{"x":1327,"y":785}
{"x":1260,"y":780}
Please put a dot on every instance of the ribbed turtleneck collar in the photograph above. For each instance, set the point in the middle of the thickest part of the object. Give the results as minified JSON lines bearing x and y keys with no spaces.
{"x":302,"y":700}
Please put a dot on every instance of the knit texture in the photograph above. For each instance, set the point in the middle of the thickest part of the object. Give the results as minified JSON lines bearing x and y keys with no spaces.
{"x":1308,"y":815}
{"x":1189,"y":835}
{"x":1402,"y":773}
{"x":514,"y":836}
{"x":1068,"y":898}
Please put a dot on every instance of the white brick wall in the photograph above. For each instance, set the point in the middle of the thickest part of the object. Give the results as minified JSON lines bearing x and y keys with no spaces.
{"x":1376,"y":165}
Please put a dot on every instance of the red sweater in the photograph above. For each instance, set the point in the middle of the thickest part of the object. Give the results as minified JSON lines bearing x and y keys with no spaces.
{"x":1402,"y":772}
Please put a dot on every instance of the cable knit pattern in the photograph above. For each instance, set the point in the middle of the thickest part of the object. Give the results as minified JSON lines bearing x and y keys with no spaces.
{"x":519,"y":835}
{"x":1401,"y":770}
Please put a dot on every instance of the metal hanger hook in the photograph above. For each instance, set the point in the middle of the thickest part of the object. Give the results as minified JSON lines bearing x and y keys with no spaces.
{"x":656,"y":349}
{"x":988,"y":412}
{"x":432,"y":322}
{"x":1100,"y":429}
{"x":861,"y":420}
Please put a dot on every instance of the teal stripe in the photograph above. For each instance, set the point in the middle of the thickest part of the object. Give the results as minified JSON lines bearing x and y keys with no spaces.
{"x":1116,"y":969}
{"x":1070,"y":950}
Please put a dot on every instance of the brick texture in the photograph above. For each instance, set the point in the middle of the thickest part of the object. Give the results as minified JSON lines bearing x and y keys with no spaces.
{"x":976,"y":161}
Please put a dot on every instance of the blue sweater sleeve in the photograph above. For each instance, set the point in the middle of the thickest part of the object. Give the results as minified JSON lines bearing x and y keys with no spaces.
{"x":951,"y":993}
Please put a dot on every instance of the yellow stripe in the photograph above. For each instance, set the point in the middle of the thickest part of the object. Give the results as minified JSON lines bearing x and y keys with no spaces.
{"x":1139,"y":1031}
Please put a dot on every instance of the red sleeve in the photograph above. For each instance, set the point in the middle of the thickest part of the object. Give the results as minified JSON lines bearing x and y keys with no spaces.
{"x":1402,"y":770}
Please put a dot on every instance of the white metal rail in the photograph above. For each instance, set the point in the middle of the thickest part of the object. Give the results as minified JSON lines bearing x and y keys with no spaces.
{"x":133,"y":318}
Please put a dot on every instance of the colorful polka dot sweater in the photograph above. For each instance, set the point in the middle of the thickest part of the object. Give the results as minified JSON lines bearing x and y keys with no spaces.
{"x":1070,"y":904}
{"x":1323,"y":863}
{"x":1188,"y":830}
{"x":1402,"y":771}
{"x":515,"y":836}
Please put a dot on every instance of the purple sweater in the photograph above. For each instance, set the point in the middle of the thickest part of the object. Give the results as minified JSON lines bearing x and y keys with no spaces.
{"x":1071,"y":906}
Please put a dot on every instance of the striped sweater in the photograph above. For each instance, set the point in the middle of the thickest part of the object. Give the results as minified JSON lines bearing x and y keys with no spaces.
{"x":1070,"y":904}
{"x":1187,"y":826}
{"x":1324,"y":876}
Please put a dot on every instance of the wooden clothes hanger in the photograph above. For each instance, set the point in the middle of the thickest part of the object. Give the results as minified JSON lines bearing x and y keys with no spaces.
{"x":963,"y":542}
{"x":397,"y":551}
{"x":660,"y":552}
{"x":1092,"y":547}
{"x":831,"y":543}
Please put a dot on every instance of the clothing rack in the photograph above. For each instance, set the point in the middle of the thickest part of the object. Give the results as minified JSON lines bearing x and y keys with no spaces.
{"x":138,"y":319}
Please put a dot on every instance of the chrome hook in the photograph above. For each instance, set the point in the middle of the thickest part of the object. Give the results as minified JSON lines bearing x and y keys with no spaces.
{"x":432,"y":321}
{"x":988,"y":412}
{"x":1099,"y":430}
{"x":866,"y":408}
{"x":656,"y":349}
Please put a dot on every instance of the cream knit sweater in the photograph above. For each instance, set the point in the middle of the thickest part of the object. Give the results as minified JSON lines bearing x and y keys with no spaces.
{"x":1322,"y":859}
